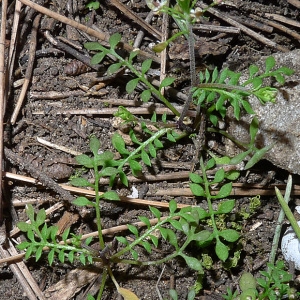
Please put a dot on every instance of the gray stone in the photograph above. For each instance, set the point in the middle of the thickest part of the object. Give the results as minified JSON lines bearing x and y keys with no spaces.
{"x":280,"y":121}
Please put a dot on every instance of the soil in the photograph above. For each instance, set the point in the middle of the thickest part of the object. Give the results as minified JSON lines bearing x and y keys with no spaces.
{"x":59,"y":109}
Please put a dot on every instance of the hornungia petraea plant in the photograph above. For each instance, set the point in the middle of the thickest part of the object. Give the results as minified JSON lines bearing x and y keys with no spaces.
{"x":213,"y":94}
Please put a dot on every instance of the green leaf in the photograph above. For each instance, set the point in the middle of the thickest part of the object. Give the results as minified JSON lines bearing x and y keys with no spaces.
{"x":134,"y":254}
{"x":158,"y":143}
{"x":131,"y":85}
{"x":156,"y":213}
{"x":214,"y":75}
{"x":98,"y":57}
{"x":232,"y":175}
{"x":109,"y":171}
{"x":154,"y":240}
{"x":135,"y":166}
{"x":219,"y":176}
{"x":270,"y":63}
{"x":113,"y":68}
{"x":94,"y":145}
{"x":23,"y":226}
{"x":119,"y":144}
{"x":51,"y":256}
{"x":221,"y":250}
{"x":23,"y":245}
{"x":226,"y":207}
{"x":133,"y":229}
{"x":93,"y":46}
{"x":152,"y":150}
{"x":172,"y":206}
{"x":114,"y":40}
{"x":171,"y":138}
{"x":202,"y":213}
{"x":85,"y":160}
{"x":145,"y":158}
{"x":253,"y":69}
{"x":123,"y":178}
{"x":192,"y":262}
{"x":240,"y":157}
{"x":93,"y":5}
{"x":38,"y":253}
{"x":210,"y":164}
{"x":229,"y":235}
{"x":196,"y":178}
{"x":146,"y":65}
{"x":145,"y":220}
{"x":169,"y":236}
{"x":173,"y":294}
{"x":197,"y":190}
{"x":82,"y":201}
{"x":132,"y":55}
{"x":247,"y":281}
{"x":30,"y":235}
{"x":81,"y":182}
{"x":166,"y":82}
{"x":201,"y":236}
{"x":111,"y":195}
{"x":122,"y":240}
{"x":40,"y":217}
{"x":257,"y":157}
{"x":82,"y":258}
{"x":145,"y":95}
{"x":71,"y":256}
{"x":124,"y":114}
{"x":147,"y":246}
{"x":61,"y":256}
{"x":30,"y":212}
{"x":29,"y":251}
{"x":176,"y":224}
{"x":65,"y":234}
{"x":225,"y":191}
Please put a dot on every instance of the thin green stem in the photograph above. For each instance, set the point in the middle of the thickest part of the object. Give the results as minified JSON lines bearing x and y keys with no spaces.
{"x":156,"y":135}
{"x":208,"y":196}
{"x":141,"y":238}
{"x":97,"y":207}
{"x":147,"y":83}
{"x":279,"y":223}
{"x":103,"y":281}
{"x":288,"y":213}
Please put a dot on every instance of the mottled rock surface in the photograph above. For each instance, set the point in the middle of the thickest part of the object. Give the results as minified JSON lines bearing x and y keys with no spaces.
{"x":279,"y":122}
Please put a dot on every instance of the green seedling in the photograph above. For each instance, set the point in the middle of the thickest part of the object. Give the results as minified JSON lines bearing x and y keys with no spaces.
{"x":274,"y":285}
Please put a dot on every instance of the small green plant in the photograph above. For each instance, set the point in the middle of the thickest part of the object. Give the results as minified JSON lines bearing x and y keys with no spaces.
{"x":179,"y":228}
{"x":201,"y":187}
{"x":274,"y":285}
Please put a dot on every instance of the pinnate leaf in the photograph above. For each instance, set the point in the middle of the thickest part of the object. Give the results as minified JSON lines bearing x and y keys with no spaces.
{"x":85,"y":160}
{"x":82,"y":182}
{"x":221,"y":250}
{"x":114,"y":40}
{"x":226,"y":207}
{"x":229,"y":235}
{"x":225,"y":191}
{"x":111,"y":195}
{"x":82,"y":201}
{"x":131,"y":85}
{"x":192,"y":262}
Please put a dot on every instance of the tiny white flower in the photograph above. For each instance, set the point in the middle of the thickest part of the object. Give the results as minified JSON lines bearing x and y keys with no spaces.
{"x":156,"y":5}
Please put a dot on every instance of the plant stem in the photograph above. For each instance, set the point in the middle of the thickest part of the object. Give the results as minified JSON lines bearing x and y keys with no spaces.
{"x":191,"y":43}
{"x":147,"y":83}
{"x":158,"y":134}
{"x":97,"y":207}
{"x":208,"y":196}
{"x":288,"y":213}
{"x":279,"y":223}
